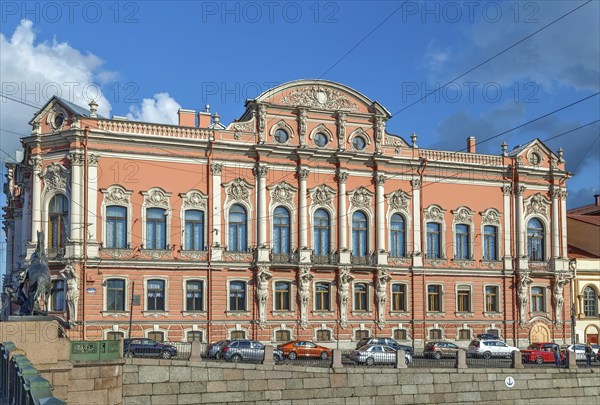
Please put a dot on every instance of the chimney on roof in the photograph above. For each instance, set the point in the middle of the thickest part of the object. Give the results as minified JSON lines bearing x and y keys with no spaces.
{"x":204,"y":117}
{"x":187,"y":118}
{"x":597,"y":200}
{"x":471,"y":144}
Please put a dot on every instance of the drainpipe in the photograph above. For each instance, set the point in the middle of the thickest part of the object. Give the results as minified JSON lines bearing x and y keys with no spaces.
{"x":85,"y":224}
{"x":513,"y":254}
{"x":209,"y":235}
{"x":420,"y":171}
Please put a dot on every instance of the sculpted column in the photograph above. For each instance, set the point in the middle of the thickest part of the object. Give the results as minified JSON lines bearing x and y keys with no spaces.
{"x":217,"y":248}
{"x":507,"y":227}
{"x":36,"y":192}
{"x":380,"y":217}
{"x":344,"y":254}
{"x":521,"y":239}
{"x":76,"y":192}
{"x":26,"y":221}
{"x":555,"y":192}
{"x":260,"y":171}
{"x":563,"y":215}
{"x":302,"y":204}
{"x":417,"y":248}
{"x":92,"y":196}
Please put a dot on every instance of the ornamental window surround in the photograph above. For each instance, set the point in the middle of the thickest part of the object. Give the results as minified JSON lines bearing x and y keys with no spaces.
{"x":193,"y":217}
{"x":156,"y":219}
{"x":116,"y":229}
{"x":436,"y":230}
{"x":491,"y":232}
{"x":463,"y":233}
{"x":155,"y":292}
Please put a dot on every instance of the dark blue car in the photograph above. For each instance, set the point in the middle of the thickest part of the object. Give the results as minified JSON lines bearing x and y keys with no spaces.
{"x":144,"y":347}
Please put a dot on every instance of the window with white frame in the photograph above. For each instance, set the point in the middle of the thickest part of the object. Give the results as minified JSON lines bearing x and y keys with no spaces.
{"x":434,"y":298}
{"x":590,"y":302}
{"x":398,"y":236}
{"x":156,"y":228}
{"x":490,"y":242}
{"x":283,"y":295}
{"x":322,"y":233}
{"x":464,"y":334}
{"x":283,"y":335}
{"x":535,"y":240}
{"x":538,"y":299}
{"x":58,"y":222}
{"x":435,"y":334}
{"x":323,"y":335}
{"x":158,"y":336}
{"x":462,"y":250}
{"x":238,"y":334}
{"x":115,"y":294}
{"x":492,"y":298}
{"x":194,"y":335}
{"x":322,"y":296}
{"x":116,"y":227}
{"x":281,"y":231}
{"x":155,"y":295}
{"x":434,"y":240}
{"x":361,"y":334}
{"x":361,"y":297}
{"x":400,"y":334}
{"x":194,"y":230}
{"x":359,"y":234}
{"x":238,"y":235}
{"x":399,"y":297}
{"x":463,"y":298}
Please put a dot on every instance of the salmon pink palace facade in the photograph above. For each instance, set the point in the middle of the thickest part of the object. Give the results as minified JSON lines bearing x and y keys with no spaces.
{"x":304,"y":219}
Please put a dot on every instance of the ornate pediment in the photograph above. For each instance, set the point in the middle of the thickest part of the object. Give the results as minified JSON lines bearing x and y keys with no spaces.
{"x":398,"y":200}
{"x":282,"y":193}
{"x":238,"y":190}
{"x":490,"y":216}
{"x":243,"y":126}
{"x":116,"y":195}
{"x":434,"y":213}
{"x":55,"y":177}
{"x":322,"y":195}
{"x":156,"y":197}
{"x":321,"y":129}
{"x":537,"y":204}
{"x":361,"y":198}
{"x":194,"y":199}
{"x":319,"y":97}
{"x":463,"y":215}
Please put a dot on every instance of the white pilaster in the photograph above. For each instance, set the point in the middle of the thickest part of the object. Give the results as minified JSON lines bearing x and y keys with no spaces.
{"x":555,"y":224}
{"x":25,"y":220}
{"x":217,"y":230}
{"x":36,"y":203}
{"x":344,"y":253}
{"x":416,"y":201}
{"x":75,"y":222}
{"x":520,"y":231}
{"x":302,"y":203}
{"x":91,"y":228}
{"x":507,"y":216}
{"x":380,"y":217}
{"x":260,"y":171}
{"x":563,"y":216}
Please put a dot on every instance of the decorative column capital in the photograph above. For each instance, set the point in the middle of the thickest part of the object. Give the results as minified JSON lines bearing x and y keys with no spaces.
{"x":555,"y":192}
{"x":76,"y":158}
{"x":380,"y":179}
{"x":520,"y":190}
{"x":506,"y":190}
{"x":416,"y":184}
{"x":261,"y":171}
{"x":342,"y":176}
{"x":216,"y":168}
{"x":93,"y":160}
{"x":303,"y":173}
{"x":36,"y":163}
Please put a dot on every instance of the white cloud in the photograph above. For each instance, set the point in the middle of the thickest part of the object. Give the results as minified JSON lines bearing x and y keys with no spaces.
{"x":161,"y":109}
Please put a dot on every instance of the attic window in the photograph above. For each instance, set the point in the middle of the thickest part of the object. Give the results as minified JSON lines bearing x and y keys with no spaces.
{"x":534,"y":159}
{"x":59,"y":120}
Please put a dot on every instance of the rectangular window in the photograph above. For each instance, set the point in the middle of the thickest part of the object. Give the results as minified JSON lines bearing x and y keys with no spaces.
{"x":194,"y":335}
{"x":537,"y":299}
{"x":156,"y":295}
{"x":361,"y":297}
{"x":433,"y":240}
{"x":194,"y":230}
{"x":156,"y":228}
{"x":399,"y":297}
{"x":491,"y":299}
{"x":400,"y":334}
{"x":282,"y":296}
{"x":462,"y":242}
{"x":434,"y":298}
{"x":282,"y":336}
{"x":194,"y":291}
{"x":322,"y":293}
{"x":489,"y":242}
{"x":115,"y":295}
{"x":58,"y":295}
{"x":361,"y":334}
{"x":323,"y":335}
{"x":464,"y":334}
{"x":157,"y":336}
{"x":237,"y":296}
{"x":435,"y":334}
{"x":463,"y":299}
{"x":116,"y":227}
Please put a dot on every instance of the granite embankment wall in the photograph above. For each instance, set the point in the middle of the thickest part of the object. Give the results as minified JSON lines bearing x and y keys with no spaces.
{"x":148,"y":381}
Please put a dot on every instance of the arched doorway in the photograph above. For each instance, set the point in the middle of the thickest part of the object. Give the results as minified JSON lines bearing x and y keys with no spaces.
{"x":591,"y":334}
{"x":539,"y":333}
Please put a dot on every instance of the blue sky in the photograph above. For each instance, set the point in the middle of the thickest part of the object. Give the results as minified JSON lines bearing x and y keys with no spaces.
{"x":147,"y":59}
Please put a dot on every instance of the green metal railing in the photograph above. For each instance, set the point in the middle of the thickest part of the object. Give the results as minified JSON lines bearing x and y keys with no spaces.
{"x":87,"y":350}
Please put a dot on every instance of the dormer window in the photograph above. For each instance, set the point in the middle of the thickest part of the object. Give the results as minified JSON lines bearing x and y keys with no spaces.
{"x":320,"y":139}
{"x":281,"y":136}
{"x":359,"y":143}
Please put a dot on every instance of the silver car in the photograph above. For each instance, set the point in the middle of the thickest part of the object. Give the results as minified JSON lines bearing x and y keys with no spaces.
{"x":213,"y":350}
{"x":377,"y":354}
{"x":248,"y":350}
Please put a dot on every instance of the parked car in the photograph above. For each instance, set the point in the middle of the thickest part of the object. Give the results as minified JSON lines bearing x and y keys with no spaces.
{"x":144,"y":347}
{"x":490,"y":348}
{"x":439,"y":349}
{"x":541,"y":353}
{"x":213,"y":350}
{"x":248,"y":350}
{"x":487,"y":336}
{"x":578,"y":348}
{"x":304,"y":348}
{"x":384,"y":341}
{"x":596,"y":349}
{"x":377,"y":354}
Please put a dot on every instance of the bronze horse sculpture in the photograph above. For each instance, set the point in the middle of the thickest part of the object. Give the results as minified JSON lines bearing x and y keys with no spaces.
{"x":38,"y":281}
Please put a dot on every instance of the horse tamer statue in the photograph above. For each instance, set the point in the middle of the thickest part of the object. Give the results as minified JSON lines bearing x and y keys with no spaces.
{"x":37,"y":282}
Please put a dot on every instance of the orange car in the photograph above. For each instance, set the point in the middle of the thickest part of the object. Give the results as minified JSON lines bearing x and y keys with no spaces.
{"x":304,"y":348}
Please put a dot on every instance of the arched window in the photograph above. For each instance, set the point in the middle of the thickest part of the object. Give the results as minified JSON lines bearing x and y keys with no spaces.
{"x":434,"y":241}
{"x":398,"y":236}
{"x":359,"y":234}
{"x":237,"y":229}
{"x":156,"y":228}
{"x":116,"y":227}
{"x":58,"y":222}
{"x":590,"y":302}
{"x":281,"y":231}
{"x":535,"y":240}
{"x":322,"y":233}
{"x":194,"y":230}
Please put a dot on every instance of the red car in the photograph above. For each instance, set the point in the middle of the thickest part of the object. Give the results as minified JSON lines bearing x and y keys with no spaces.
{"x":541,"y":353}
{"x":304,"y":348}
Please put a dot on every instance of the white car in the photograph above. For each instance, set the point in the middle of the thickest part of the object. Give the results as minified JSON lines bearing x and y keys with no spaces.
{"x":579,"y":350}
{"x":490,"y":348}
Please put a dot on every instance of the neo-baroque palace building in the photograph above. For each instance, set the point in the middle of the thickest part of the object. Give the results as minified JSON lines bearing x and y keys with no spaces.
{"x":303,"y":219}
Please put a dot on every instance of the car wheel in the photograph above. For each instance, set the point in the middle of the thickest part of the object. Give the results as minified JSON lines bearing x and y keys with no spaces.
{"x":487,"y":355}
{"x":277,"y":359}
{"x":370,"y":361}
{"x":165,"y":354}
{"x":437,"y":355}
{"x":129,"y":354}
{"x":292,"y":356}
{"x":406,"y":361}
{"x":539,"y":360}
{"x":219,"y":356}
{"x":324,"y":356}
{"x":236,"y":358}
